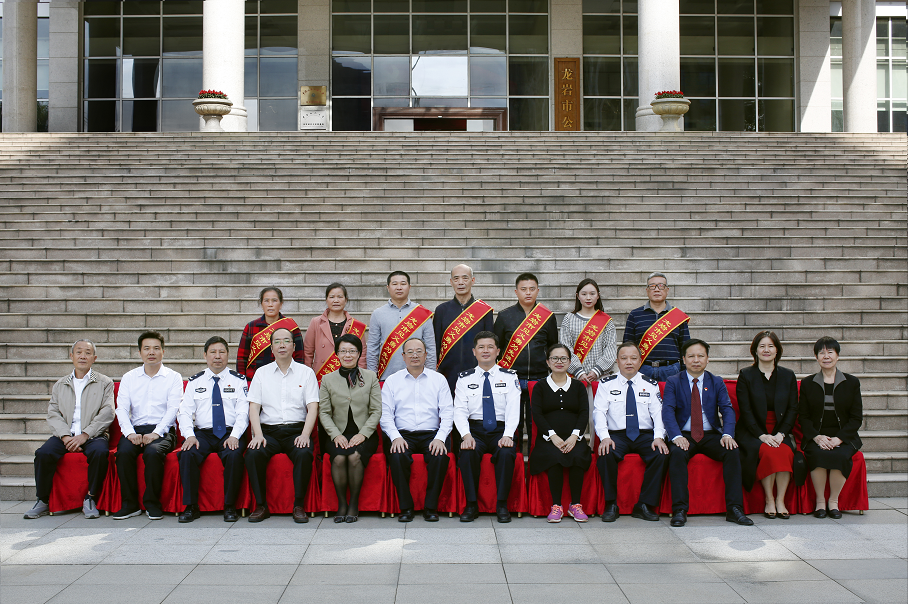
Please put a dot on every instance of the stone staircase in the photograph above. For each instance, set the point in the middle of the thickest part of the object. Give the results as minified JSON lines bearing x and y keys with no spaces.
{"x":105,"y":235}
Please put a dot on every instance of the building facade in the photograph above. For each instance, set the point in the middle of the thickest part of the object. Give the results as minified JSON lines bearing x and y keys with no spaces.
{"x":745,"y":65}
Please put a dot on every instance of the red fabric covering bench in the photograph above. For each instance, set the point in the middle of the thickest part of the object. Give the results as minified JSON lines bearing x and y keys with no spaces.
{"x":419,"y":479}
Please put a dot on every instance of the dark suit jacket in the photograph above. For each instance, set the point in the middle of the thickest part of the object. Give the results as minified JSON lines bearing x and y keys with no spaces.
{"x":715,"y":401}
{"x":848,"y":407}
{"x":752,"y":401}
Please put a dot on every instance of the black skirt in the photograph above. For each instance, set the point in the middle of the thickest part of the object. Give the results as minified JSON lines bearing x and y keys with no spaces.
{"x":366,"y":449}
{"x":836,"y":459}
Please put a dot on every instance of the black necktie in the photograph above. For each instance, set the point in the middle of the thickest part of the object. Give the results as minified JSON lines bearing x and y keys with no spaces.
{"x":633,"y":423}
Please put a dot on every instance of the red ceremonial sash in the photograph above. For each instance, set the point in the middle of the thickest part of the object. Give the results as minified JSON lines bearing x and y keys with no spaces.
{"x":661,"y":328}
{"x":406,"y":328}
{"x":523,"y":334}
{"x":461,"y":325}
{"x":357,"y":328}
{"x":590,"y":333}
{"x":262,"y":340}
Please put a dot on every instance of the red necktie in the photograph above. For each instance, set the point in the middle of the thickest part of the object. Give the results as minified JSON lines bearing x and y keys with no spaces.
{"x":696,"y":414}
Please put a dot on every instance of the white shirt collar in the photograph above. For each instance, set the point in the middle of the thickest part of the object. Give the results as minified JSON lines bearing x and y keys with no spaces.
{"x":224,"y":373}
{"x":74,"y":378}
{"x":409,"y":376}
{"x":555,"y":387}
{"x":629,"y":381}
{"x":290,"y":370}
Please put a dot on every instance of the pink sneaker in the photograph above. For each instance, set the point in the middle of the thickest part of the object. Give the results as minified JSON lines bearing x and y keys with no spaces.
{"x":576,"y":511}
{"x":556,"y":514}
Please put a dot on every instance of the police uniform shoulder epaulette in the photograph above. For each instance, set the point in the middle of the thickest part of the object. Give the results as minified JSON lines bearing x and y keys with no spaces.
{"x":199,"y":374}
{"x":606,"y":379}
{"x":467,"y":372}
{"x":652,"y":381}
{"x":503,"y":370}
{"x":237,"y":374}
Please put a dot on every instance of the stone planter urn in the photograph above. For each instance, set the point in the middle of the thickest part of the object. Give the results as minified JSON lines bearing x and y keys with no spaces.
{"x":212,"y":110}
{"x":671,"y":111}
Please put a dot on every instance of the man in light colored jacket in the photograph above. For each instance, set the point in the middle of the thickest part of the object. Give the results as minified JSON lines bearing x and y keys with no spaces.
{"x":80,"y":411}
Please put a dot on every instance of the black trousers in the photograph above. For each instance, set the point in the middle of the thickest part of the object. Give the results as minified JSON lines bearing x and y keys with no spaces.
{"x":279,"y":439}
{"x":191,"y":464}
{"x":710,"y":446}
{"x":436,"y":467}
{"x":154,"y":454}
{"x":470,"y":461}
{"x":52,"y":451}
{"x":642,"y":446}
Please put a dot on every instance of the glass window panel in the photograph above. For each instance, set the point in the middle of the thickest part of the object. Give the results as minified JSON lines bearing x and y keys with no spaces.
{"x":698,"y":78}
{"x":488,"y":34}
{"x":899,"y":116}
{"x":278,"y":115}
{"x":280,"y":6}
{"x":138,"y":7}
{"x":701,"y":117}
{"x":898,"y":37}
{"x":698,"y":36}
{"x":391,"y":76}
{"x":351,"y":75}
{"x":736,"y":77}
{"x":251,"y":37}
{"x":478,"y":102}
{"x":142,"y":116}
{"x":735,"y":7}
{"x":776,"y":115}
{"x":440,"y":102}
{"x":630,"y":114}
{"x":882,"y":116}
{"x":775,"y":77}
{"x":631,"y":78}
{"x":142,"y":36}
{"x":836,"y":79}
{"x":882,"y":37}
{"x":437,"y":6}
{"x":392,"y":34}
{"x":103,"y":8}
{"x":252,"y":114}
{"x":602,"y":6}
{"x":601,"y":35}
{"x":43,"y":38}
{"x":630,"y":6}
{"x":835,"y":36}
{"x":528,"y":76}
{"x":182,"y":78}
{"x":102,"y":37}
{"x":439,"y":76}
{"x":529,"y":6}
{"x":99,"y":116}
{"x":601,"y":76}
{"x":43,"y":77}
{"x":488,"y":6}
{"x":251,"y":77}
{"x":182,"y":7}
{"x":178,"y":116}
{"x":182,"y":36}
{"x":391,"y":6}
{"x":630,"y":35}
{"x":142,"y":79}
{"x":488,"y":76}
{"x":278,"y":77}
{"x":278,"y":35}
{"x":529,"y":114}
{"x":351,"y":115}
{"x":100,"y":79}
{"x":736,"y":35}
{"x":838,"y":116}
{"x":352,"y":6}
{"x":392,"y":102}
{"x":351,"y":34}
{"x":775,"y":7}
{"x":43,"y":114}
{"x":882,"y":79}
{"x":737,"y":115}
{"x":775,"y":36}
{"x":439,"y":33}
{"x":602,"y":114}
{"x":698,"y":7}
{"x":252,"y":7}
{"x":899,"y":80}
{"x":528,"y":34}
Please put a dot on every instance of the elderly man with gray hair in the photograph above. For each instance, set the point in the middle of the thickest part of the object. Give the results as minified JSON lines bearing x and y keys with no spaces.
{"x":80,"y":411}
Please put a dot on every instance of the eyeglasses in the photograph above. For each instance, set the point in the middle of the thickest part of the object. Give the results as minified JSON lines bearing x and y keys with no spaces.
{"x":414,"y":353}
{"x":658,"y":287}
{"x":559,"y":359}
{"x":347,"y":353}
{"x":284,"y":342}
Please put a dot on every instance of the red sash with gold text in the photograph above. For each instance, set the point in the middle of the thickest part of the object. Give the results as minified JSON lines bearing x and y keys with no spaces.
{"x":590,"y":333}
{"x":523,"y":334}
{"x":661,"y":328}
{"x":262,"y":340}
{"x":406,"y":328}
{"x":357,"y":328}
{"x":461,"y":325}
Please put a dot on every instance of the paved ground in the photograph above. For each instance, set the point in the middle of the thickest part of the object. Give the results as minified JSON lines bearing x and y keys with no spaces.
{"x":66,"y":558}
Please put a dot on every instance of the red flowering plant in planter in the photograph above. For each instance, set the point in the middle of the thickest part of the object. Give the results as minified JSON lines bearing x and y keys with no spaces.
{"x":669,"y":94}
{"x":212,"y":94}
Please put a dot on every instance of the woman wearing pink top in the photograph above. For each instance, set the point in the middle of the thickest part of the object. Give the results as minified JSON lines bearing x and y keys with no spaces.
{"x":325,"y":329}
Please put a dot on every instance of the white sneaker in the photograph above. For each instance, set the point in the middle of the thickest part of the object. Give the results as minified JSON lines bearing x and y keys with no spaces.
{"x":39,"y":509}
{"x":89,"y":508}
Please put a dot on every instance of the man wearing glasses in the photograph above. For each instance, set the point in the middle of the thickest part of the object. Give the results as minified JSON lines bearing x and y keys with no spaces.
{"x":658,"y":329}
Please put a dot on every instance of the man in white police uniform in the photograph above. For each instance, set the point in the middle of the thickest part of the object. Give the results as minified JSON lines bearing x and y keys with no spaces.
{"x":487,"y":413}
{"x":627,"y":416}
{"x":214,"y":400}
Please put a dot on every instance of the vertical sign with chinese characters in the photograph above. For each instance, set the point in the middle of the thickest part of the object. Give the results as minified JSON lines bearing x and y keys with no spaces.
{"x":567,"y":95}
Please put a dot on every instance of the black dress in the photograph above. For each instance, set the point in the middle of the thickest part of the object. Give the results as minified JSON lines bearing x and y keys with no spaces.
{"x":561,"y":411}
{"x":833,"y":410}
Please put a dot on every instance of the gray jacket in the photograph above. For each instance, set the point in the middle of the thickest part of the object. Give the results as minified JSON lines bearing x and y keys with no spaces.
{"x":97,"y":405}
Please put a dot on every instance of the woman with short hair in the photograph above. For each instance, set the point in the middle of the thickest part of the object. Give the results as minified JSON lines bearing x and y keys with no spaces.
{"x":325,"y":330}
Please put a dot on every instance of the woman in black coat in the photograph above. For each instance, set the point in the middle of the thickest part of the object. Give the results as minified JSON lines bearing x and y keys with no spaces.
{"x":831,"y":414}
{"x":768,"y":407}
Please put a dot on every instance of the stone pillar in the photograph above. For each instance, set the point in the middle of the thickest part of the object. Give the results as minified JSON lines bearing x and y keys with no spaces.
{"x":314,"y":35}
{"x":859,"y":65}
{"x":566,"y":25}
{"x":64,"y":66}
{"x":223,"y":41}
{"x":20,"y":65}
{"x":815,"y":104}
{"x":659,"y":56}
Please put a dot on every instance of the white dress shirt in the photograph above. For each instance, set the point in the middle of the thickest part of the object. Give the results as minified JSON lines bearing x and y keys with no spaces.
{"x":78,"y":386}
{"x":283,"y":397}
{"x":195,"y":410}
{"x":690,"y":384}
{"x":421,"y":403}
{"x":145,"y":401}
{"x":505,"y":394}
{"x":610,"y":405}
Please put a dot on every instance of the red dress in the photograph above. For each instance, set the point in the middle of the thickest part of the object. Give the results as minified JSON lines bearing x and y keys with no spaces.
{"x":774,"y":459}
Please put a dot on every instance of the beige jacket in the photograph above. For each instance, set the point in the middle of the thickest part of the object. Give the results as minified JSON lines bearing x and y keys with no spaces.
{"x":336,"y":398}
{"x":97,"y":405}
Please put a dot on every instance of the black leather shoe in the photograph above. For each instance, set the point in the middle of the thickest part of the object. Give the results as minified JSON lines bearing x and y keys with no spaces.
{"x":405,"y":516}
{"x":835,"y":513}
{"x":430,"y":515}
{"x":736,"y":514}
{"x":642,"y":511}
{"x":503,"y":514}
{"x":679,"y":518}
{"x":230,"y":514}
{"x":821,"y":513}
{"x":611,"y":513}
{"x":190,"y":513}
{"x":470,"y":513}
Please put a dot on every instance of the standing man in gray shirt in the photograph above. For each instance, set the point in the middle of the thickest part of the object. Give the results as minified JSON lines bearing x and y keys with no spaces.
{"x":393,"y":324}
